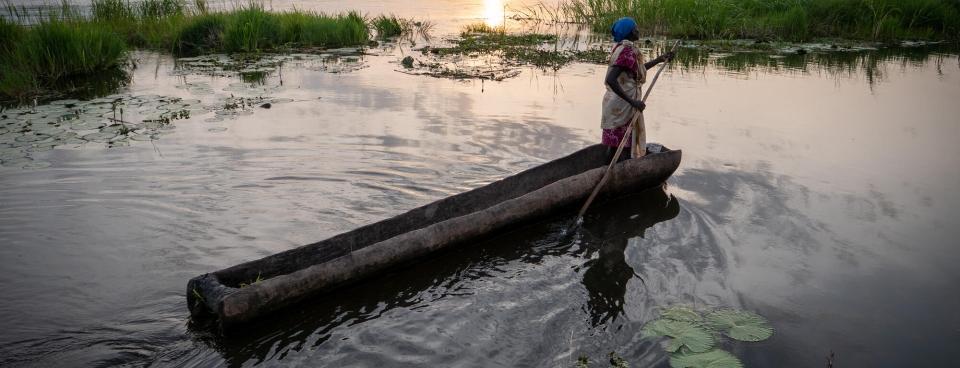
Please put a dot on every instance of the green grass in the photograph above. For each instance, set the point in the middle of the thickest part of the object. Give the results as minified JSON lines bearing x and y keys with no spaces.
{"x":251,"y":30}
{"x":190,"y":30}
{"x":202,"y":35}
{"x":38,"y":52}
{"x":792,"y":20}
{"x":514,"y":48}
{"x":387,"y":26}
{"x":309,"y":29}
{"x":480,"y":27}
{"x":53,"y":51}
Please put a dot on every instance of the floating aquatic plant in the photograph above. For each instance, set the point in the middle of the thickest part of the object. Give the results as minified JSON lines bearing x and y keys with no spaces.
{"x":681,"y":313}
{"x":617,"y":361}
{"x":582,"y":362}
{"x":711,"y":359}
{"x":681,"y":333}
{"x":114,"y":121}
{"x":740,"y":324}
{"x":387,"y":26}
{"x":692,"y":334}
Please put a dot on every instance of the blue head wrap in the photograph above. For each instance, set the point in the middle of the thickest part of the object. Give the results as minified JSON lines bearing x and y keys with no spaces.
{"x":622,"y":28}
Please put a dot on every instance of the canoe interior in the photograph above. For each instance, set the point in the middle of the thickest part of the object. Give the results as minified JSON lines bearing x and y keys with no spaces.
{"x":441,"y":210}
{"x":525,"y":196}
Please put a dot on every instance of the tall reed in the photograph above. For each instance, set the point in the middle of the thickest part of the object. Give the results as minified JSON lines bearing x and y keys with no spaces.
{"x":387,"y":26}
{"x":783,"y":19}
{"x":53,"y":50}
{"x":39,"y":50}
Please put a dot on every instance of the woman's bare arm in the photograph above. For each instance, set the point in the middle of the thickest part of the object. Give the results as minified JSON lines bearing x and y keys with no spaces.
{"x":658,"y":60}
{"x":611,"y":80}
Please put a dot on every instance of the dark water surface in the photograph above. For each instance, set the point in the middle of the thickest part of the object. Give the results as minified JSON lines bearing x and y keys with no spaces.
{"x":818,"y":191}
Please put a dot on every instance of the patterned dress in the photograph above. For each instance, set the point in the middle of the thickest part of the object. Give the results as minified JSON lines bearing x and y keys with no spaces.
{"x":617,"y":112}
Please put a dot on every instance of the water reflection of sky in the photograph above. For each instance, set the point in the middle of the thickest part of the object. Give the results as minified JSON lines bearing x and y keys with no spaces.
{"x":493,"y":12}
{"x":448,"y":15}
{"x":811,"y":192}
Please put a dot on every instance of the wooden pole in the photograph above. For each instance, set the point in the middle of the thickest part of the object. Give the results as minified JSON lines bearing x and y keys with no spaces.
{"x":626,"y":137}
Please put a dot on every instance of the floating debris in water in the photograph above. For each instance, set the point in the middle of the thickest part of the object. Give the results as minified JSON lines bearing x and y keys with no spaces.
{"x":497,"y":56}
{"x":488,"y":73}
{"x":113,"y":121}
{"x":257,"y":68}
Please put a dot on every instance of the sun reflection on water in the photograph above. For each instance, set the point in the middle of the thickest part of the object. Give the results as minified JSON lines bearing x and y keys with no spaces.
{"x":493,"y":12}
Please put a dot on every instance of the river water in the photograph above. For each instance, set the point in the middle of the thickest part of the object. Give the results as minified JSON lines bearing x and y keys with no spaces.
{"x":819,"y":191}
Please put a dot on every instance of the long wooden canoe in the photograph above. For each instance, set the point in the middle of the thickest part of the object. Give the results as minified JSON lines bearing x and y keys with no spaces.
{"x":291,"y":276}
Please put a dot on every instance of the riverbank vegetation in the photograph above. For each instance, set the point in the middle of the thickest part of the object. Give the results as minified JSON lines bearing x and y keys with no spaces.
{"x":789,"y":20}
{"x":387,"y":26}
{"x":52,"y":51}
{"x":40,"y":50}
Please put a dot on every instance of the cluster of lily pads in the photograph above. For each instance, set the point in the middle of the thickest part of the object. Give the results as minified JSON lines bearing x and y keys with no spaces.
{"x":459,"y":67}
{"x":253,"y":67}
{"x":693,"y":336}
{"x":230,"y":107}
{"x":113,"y":120}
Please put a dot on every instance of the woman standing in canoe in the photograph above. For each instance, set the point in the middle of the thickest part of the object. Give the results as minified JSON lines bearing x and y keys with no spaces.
{"x":625,"y":73}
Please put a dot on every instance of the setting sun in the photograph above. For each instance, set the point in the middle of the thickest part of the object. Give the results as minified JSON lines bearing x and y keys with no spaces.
{"x":493,"y":12}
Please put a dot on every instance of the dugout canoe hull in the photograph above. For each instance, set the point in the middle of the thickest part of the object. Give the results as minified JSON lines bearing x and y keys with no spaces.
{"x":310,"y":270}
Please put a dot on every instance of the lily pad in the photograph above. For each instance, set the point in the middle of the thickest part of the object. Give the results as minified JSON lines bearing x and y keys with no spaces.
{"x":42,"y":147}
{"x":681,"y":313}
{"x":682,"y":334}
{"x":31,"y":138}
{"x":49,"y":130}
{"x":36,"y":165}
{"x":740,"y":325}
{"x":280,"y":100}
{"x":144,"y":137}
{"x":15,"y":161}
{"x":710,"y":359}
{"x":65,"y":102}
{"x":88,"y":124}
{"x":99,"y":137}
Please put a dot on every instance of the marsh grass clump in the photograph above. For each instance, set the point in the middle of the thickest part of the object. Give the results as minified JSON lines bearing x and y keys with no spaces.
{"x":516,"y":48}
{"x":489,"y":42}
{"x":528,"y":49}
{"x":192,"y":28}
{"x":251,"y":29}
{"x":161,"y":8}
{"x":402,"y":29}
{"x":38,"y":57}
{"x":481,"y":28}
{"x":387,"y":26}
{"x":791,"y":20}
{"x":9,"y":34}
{"x":310,"y":29}
{"x":254,"y":29}
{"x":203,"y":34}
{"x":112,"y":10}
{"x":41,"y":50}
